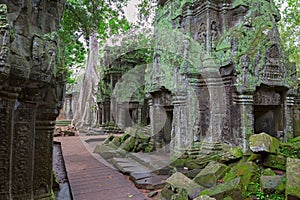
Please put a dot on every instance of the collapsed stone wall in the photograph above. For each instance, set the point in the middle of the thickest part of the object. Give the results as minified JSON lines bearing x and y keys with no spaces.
{"x":31,"y":94}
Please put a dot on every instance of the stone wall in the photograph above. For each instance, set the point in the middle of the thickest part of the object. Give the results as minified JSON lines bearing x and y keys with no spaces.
{"x":31,"y":94}
{"x":225,"y":67}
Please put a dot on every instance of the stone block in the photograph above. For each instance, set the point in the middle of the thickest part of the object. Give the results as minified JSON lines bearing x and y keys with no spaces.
{"x":292,"y":189}
{"x":275,"y":162}
{"x":106,"y":152}
{"x":109,"y":139}
{"x":210,"y":174}
{"x":128,"y":144}
{"x":204,"y":197}
{"x":268,"y":172}
{"x":263,"y":142}
{"x":228,"y":189}
{"x":248,"y":172}
{"x":178,"y":181}
{"x":269,"y":184}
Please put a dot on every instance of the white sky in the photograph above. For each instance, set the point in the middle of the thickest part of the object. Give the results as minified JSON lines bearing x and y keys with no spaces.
{"x":131,"y":11}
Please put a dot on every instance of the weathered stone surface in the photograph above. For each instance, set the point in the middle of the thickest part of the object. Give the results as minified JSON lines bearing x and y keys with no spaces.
{"x":292,"y":189}
{"x":204,"y":197}
{"x":106,"y":151}
{"x":128,"y":144}
{"x":210,"y":174}
{"x":275,"y":162}
{"x":264,"y":143}
{"x":109,"y":139}
{"x":268,"y":172}
{"x":178,"y":181}
{"x":230,"y":188}
{"x":237,"y":152}
{"x":269,"y":184}
{"x":28,"y":107}
{"x":248,"y":172}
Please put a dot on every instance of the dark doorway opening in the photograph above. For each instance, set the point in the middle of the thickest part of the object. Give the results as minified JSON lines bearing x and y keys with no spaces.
{"x":166,"y":131}
{"x":268,"y":119}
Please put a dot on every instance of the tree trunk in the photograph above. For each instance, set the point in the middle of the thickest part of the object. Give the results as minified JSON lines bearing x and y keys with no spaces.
{"x":85,"y":114}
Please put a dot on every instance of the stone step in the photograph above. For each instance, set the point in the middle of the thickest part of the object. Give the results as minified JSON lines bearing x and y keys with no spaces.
{"x":63,"y":122}
{"x":157,"y":162}
{"x":127,"y":165}
{"x":141,"y":175}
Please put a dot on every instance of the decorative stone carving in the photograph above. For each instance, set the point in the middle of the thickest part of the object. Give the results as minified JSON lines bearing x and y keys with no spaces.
{"x":27,"y":81}
{"x":265,"y":97}
{"x":213,"y":35}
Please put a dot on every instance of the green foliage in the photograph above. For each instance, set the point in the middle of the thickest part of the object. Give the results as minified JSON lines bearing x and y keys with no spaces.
{"x":261,"y":195}
{"x":289,"y":27}
{"x":86,"y":17}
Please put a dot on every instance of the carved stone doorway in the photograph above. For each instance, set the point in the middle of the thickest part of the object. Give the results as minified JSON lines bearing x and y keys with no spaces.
{"x":268,"y":112}
{"x":268,"y":119}
{"x":167,"y":129}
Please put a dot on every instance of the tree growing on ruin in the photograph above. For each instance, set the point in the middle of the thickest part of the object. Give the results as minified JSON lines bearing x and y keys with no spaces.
{"x":86,"y":25}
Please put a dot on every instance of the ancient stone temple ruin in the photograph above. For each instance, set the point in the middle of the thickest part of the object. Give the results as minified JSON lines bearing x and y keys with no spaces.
{"x":121,"y":88}
{"x":31,"y":93}
{"x":219,"y":74}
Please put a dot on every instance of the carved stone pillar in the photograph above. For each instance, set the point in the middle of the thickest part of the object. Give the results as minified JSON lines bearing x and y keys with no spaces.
{"x":180,"y":141}
{"x":158,"y":122}
{"x":8,"y":98}
{"x":23,"y":149}
{"x":217,"y":99}
{"x":150,"y":103}
{"x":297,"y":117}
{"x":245,"y":103}
{"x":288,"y":118}
{"x":45,"y":125}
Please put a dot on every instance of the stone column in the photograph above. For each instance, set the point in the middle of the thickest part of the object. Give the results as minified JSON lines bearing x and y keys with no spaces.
{"x":288,"y":118}
{"x":45,"y":125}
{"x":8,"y":98}
{"x":180,"y":140}
{"x":245,"y":103}
{"x":217,"y":99}
{"x":217,"y":95}
{"x":150,"y":103}
{"x":23,"y":149}
{"x":159,"y":118}
{"x":297,"y":117}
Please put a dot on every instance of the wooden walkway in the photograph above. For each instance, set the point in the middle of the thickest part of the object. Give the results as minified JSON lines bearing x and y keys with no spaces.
{"x":92,"y":180}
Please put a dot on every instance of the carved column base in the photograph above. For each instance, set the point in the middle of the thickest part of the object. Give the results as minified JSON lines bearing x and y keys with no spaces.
{"x":288,"y":118}
{"x":246,"y":128}
{"x":43,"y":159}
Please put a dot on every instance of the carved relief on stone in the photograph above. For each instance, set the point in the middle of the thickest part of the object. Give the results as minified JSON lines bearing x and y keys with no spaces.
{"x":214,"y":34}
{"x":4,"y":145}
{"x":242,"y":77}
{"x":265,"y":97}
{"x":43,"y":58}
{"x":4,"y":39}
{"x":22,"y":151}
{"x":272,"y":72}
{"x":202,"y":36}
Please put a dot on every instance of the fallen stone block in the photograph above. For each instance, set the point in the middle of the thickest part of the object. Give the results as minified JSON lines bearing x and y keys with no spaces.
{"x":204,"y":197}
{"x":292,"y":189}
{"x":275,"y":162}
{"x":269,"y":184}
{"x":106,"y":152}
{"x":248,"y":172}
{"x":128,"y":144}
{"x":210,"y":174}
{"x":263,"y":142}
{"x":228,"y":189}
{"x":178,"y":182}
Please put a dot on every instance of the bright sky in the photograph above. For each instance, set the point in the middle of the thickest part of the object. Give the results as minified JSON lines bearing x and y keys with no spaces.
{"x":131,"y":11}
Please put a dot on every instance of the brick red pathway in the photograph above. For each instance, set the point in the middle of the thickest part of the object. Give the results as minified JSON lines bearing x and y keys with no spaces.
{"x":91,"y":179}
